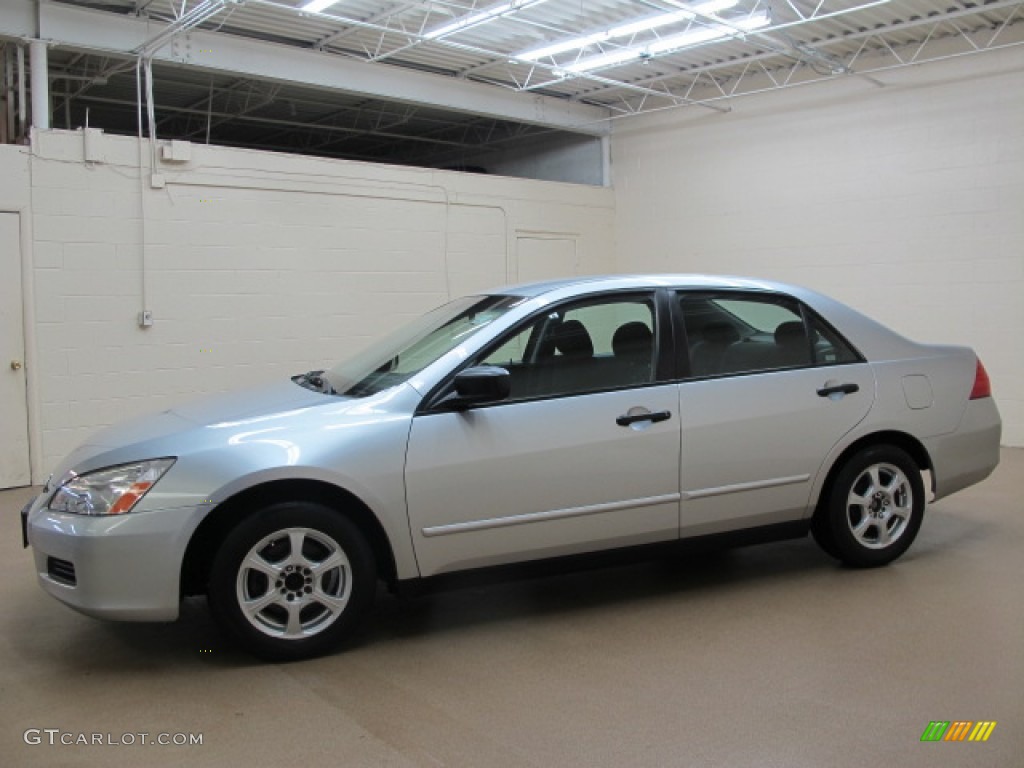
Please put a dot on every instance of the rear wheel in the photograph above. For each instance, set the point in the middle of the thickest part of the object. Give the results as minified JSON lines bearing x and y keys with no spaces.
{"x":874,"y":509}
{"x":292,"y":580}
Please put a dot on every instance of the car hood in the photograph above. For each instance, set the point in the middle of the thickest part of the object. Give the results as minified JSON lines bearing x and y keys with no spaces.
{"x":257,"y":401}
{"x":150,"y":435}
{"x":223,"y":408}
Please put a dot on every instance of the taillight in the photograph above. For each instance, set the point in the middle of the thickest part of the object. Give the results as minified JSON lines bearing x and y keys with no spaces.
{"x":982,"y":386}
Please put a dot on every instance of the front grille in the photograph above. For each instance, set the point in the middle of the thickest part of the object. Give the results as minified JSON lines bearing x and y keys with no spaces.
{"x":61,"y":570}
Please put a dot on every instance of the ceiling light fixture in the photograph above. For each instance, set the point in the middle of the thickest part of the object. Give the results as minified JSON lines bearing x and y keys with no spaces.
{"x":628,"y":29}
{"x":317,"y":6}
{"x":669,"y":44}
{"x":472,"y":19}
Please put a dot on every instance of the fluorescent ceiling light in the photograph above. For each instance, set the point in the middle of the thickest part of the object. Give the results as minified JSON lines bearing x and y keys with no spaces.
{"x":316,"y":6}
{"x":667,"y":44}
{"x":468,"y":21}
{"x":604,"y":60}
{"x":486,"y":14}
{"x":674,"y":42}
{"x":627,"y":30}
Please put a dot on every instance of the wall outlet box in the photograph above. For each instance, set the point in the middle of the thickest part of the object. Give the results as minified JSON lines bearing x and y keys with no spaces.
{"x":145,"y":318}
{"x":176,"y":151}
{"x":92,"y":145}
{"x":157,"y":181}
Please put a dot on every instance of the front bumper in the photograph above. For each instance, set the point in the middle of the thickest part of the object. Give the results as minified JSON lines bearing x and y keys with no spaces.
{"x":121,"y":567}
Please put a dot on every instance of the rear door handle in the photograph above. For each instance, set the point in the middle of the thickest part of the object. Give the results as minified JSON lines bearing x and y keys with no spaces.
{"x":837,"y":389}
{"x":626,"y":419}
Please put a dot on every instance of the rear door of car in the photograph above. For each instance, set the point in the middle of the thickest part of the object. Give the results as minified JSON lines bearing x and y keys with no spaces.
{"x":768,"y":389}
{"x":583,"y":455}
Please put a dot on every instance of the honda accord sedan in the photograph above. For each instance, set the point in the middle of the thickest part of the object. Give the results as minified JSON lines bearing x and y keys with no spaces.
{"x":537,"y":421}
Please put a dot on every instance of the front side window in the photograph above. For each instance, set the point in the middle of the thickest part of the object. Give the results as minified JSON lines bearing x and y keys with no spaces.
{"x":577,"y":348}
{"x":409,"y":350}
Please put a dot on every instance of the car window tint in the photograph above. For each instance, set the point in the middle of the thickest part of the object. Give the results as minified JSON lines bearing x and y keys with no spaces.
{"x":579,"y":348}
{"x":603,"y":320}
{"x":762,"y":316}
{"x":744,"y":334}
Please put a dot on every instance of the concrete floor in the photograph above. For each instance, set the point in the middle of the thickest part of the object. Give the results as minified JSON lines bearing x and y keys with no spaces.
{"x":768,"y":656}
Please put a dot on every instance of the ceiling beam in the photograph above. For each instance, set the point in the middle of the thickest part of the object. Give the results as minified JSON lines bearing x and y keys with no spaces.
{"x":91,"y":30}
{"x":874,"y":32}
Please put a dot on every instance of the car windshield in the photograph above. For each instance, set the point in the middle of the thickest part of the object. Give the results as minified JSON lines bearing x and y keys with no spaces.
{"x":410,"y":349}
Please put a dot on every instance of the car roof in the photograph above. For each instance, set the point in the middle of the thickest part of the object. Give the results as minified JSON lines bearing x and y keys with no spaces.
{"x":625,"y":281}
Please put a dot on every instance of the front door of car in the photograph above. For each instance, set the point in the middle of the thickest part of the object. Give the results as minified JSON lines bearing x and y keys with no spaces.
{"x":771,"y":389}
{"x":583,"y":454}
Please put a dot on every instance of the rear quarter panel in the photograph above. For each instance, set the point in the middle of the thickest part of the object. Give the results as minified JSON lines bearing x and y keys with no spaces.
{"x":925,"y":393}
{"x":946,"y":373}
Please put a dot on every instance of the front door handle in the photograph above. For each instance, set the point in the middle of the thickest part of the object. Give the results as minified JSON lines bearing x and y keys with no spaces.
{"x":626,"y":419}
{"x":838,"y":389}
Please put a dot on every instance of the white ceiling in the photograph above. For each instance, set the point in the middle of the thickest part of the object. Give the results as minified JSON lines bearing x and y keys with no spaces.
{"x":820,"y":38}
{"x":398,"y":112}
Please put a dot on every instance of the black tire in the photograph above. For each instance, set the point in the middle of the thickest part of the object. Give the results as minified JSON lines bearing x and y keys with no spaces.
{"x":874,"y":508}
{"x":822,"y":533}
{"x":301,"y":605}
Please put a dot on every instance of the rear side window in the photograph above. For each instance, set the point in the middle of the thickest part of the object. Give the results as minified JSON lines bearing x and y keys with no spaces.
{"x":750,"y":333}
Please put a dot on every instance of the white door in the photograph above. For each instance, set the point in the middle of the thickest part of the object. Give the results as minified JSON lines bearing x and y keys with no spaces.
{"x":544,"y":257}
{"x":583,"y":455}
{"x":14,"y":463}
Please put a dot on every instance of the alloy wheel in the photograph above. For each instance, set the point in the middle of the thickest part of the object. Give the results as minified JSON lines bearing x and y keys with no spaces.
{"x":879,"y":505}
{"x":294,"y":583}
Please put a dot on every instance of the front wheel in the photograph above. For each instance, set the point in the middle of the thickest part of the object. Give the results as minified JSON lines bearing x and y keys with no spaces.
{"x":874,"y":508}
{"x":292,"y":580}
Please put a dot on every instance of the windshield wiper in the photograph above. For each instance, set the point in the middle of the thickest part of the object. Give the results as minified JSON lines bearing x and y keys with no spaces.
{"x":316,"y":381}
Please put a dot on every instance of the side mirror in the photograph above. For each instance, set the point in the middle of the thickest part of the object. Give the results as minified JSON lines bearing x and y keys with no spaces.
{"x":477,"y":385}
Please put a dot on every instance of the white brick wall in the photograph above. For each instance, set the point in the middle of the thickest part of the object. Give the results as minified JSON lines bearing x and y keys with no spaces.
{"x":258,"y":265}
{"x":905,"y":201}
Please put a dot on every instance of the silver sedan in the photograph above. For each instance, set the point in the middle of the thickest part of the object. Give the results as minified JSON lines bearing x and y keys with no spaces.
{"x":534,"y":422}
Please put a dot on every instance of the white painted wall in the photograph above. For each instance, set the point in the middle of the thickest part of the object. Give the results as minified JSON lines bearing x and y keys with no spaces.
{"x":906,"y":202}
{"x":257,"y":265}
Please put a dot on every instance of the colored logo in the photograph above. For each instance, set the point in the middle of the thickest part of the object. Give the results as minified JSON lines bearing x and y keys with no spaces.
{"x":958,"y":730}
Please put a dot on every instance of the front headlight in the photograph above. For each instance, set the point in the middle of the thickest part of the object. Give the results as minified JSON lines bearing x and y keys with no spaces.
{"x":110,"y":491}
